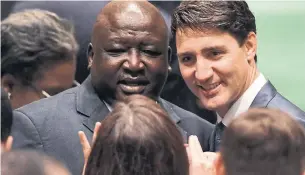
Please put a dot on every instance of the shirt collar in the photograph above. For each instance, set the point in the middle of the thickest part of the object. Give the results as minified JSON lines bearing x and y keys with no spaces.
{"x":110,"y":108}
{"x":244,"y":102}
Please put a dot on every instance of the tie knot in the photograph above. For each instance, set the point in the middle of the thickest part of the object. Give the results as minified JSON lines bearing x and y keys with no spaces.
{"x":219,"y":131}
{"x":220,"y":126}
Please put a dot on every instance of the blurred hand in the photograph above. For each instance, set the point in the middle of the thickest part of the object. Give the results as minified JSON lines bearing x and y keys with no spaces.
{"x":200,"y":162}
{"x":85,"y":143}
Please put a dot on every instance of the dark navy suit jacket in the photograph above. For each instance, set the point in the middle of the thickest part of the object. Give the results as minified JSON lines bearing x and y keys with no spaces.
{"x":51,"y":125}
{"x":268,"y":97}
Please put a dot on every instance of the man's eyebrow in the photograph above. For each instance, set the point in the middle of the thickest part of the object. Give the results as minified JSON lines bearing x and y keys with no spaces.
{"x":203,"y":50}
{"x":211,"y":48}
{"x":185,"y":54}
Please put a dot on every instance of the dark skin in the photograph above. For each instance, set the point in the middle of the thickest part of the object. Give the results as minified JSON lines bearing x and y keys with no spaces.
{"x":129,"y":51}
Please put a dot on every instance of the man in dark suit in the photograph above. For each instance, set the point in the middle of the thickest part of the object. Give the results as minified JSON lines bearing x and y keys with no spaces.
{"x":128,"y":55}
{"x":174,"y":90}
{"x":216,"y":47}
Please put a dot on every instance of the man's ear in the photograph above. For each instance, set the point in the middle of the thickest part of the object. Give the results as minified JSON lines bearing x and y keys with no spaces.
{"x":90,"y":55}
{"x":251,"y":47}
{"x":169,"y":54}
{"x":219,"y":165}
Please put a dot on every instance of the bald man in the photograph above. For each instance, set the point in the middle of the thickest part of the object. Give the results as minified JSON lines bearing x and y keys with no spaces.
{"x":128,"y":55}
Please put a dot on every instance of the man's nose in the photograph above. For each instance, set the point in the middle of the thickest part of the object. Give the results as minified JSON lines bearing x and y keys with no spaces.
{"x":133,"y":62}
{"x":204,"y":71}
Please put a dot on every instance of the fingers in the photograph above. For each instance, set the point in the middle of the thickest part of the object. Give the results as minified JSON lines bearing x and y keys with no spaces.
{"x":96,"y":130}
{"x":189,"y":156}
{"x":83,"y":140}
{"x":209,"y":158}
{"x":195,"y":149}
{"x":85,"y":144}
{"x":200,"y":162}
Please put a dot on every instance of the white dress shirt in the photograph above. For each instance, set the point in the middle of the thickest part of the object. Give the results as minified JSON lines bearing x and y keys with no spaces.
{"x":110,"y":108}
{"x":244,"y":102}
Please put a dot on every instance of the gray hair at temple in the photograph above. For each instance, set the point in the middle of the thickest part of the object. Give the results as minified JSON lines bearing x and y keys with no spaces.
{"x":32,"y":38}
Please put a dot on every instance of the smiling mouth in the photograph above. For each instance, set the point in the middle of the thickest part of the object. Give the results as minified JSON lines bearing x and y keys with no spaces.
{"x":209,"y":87}
{"x":133,"y":86}
{"x":209,"y":90}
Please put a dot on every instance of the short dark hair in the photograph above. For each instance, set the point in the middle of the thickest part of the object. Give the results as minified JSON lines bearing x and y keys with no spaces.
{"x":233,"y":17}
{"x":6,"y":116}
{"x":20,"y":162}
{"x":138,"y":138}
{"x":263,"y":142}
{"x":33,"y":39}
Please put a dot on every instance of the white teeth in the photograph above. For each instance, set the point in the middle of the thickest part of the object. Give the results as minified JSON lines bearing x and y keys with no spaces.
{"x":210,"y":87}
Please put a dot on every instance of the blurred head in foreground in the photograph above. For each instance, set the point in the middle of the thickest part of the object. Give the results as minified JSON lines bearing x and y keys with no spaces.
{"x":263,"y":142}
{"x":138,"y":138}
{"x":30,"y":163}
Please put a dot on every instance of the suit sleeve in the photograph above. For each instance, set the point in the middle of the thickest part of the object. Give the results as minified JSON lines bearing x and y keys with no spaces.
{"x":24,"y":132}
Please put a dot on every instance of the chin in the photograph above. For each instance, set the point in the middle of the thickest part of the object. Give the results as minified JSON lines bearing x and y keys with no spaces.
{"x":214,"y":103}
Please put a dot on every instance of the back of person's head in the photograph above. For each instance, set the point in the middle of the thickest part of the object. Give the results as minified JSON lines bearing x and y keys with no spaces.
{"x":21,"y":162}
{"x":38,"y":51}
{"x":263,"y":142}
{"x":6,"y":121}
{"x":138,"y":138}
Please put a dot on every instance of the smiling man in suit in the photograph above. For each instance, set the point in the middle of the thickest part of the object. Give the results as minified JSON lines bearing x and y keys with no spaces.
{"x":128,"y":55}
{"x":216,"y":47}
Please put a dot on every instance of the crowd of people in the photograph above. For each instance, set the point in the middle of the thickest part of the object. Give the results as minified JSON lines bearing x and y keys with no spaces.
{"x":130,"y":115}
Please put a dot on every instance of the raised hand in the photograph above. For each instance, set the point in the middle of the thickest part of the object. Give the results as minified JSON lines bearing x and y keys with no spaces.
{"x":86,"y":144}
{"x":200,"y":162}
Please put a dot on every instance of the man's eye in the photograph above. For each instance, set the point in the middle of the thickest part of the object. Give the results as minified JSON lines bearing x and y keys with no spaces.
{"x":214,"y":54}
{"x":186,"y":59}
{"x":115,"y":52}
{"x":151,"y":53}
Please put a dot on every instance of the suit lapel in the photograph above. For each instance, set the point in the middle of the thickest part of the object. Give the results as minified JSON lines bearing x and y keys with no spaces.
{"x":261,"y":100}
{"x":89,"y":105}
{"x":176,"y":119}
{"x":264,"y":96}
{"x":211,"y":146}
{"x":95,"y":110}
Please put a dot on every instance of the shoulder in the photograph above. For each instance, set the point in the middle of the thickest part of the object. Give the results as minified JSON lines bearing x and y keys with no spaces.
{"x":281,"y":103}
{"x":269,"y":97}
{"x":187,"y":117}
{"x":46,"y":117}
{"x":45,"y":107}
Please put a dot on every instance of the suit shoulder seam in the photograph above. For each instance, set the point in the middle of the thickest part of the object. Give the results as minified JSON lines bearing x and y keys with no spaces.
{"x":34,"y":127}
{"x":276,"y":93}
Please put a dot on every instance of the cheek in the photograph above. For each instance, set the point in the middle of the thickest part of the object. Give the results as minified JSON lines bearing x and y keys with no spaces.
{"x":227,"y":70}
{"x":188,"y":74}
{"x":156,"y":68}
{"x":106,"y":67}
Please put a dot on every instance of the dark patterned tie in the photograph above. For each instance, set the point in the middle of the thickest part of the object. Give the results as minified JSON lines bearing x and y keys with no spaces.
{"x":218,"y":134}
